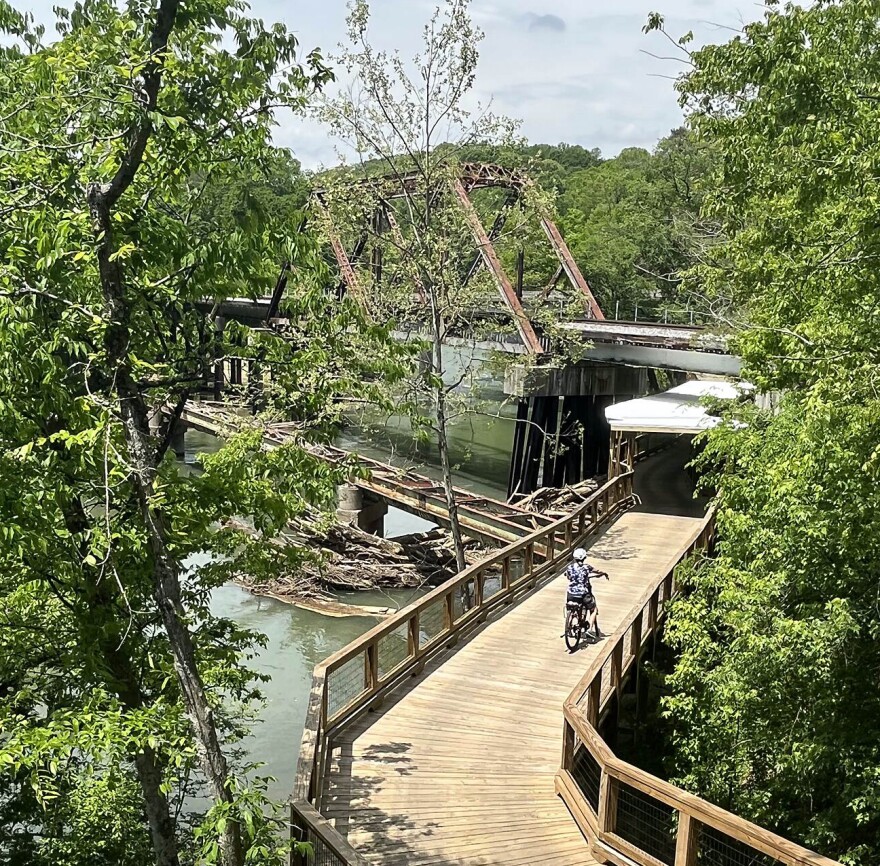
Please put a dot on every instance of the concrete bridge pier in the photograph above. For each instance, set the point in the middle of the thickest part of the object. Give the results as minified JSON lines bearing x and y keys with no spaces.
{"x":357,"y":508}
{"x":561,"y":435}
{"x":178,"y":440}
{"x":159,"y":421}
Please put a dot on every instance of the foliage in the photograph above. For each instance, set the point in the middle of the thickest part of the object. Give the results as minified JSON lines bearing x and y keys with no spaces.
{"x":418,"y":261}
{"x":122,"y":142}
{"x":632,"y":225}
{"x":775,"y":700}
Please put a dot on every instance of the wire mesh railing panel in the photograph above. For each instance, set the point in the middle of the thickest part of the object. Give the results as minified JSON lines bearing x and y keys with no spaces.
{"x":587,"y":774}
{"x":321,"y":854}
{"x":491,"y":586}
{"x":715,"y":848}
{"x":345,"y":684}
{"x":627,"y":646}
{"x":393,"y":649}
{"x":517,"y":567}
{"x":432,"y":621}
{"x":646,"y":823}
{"x":463,"y":598}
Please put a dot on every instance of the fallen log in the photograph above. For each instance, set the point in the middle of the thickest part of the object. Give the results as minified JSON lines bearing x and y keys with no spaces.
{"x":559,"y":501}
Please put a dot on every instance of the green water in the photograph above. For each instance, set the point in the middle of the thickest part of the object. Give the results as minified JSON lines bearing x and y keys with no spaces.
{"x":299,"y":639}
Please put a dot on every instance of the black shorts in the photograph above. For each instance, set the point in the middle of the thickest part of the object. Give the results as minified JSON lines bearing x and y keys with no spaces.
{"x":585,"y":599}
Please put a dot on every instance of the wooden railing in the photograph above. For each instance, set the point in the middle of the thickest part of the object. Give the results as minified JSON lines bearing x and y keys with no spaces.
{"x":360,"y":675}
{"x":629,"y":816}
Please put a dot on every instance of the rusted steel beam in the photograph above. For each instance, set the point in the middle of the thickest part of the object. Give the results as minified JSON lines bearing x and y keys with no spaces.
{"x":472,"y":175}
{"x":572,"y":271}
{"x":349,"y":277}
{"x":496,"y":229}
{"x":490,"y":257}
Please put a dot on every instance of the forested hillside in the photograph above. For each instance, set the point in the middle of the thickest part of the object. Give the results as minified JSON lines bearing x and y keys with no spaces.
{"x":775,"y":701}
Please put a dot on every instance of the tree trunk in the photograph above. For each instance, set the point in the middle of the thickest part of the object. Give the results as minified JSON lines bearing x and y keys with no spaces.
{"x":132,"y":410}
{"x":99,"y":626}
{"x":166,"y":591}
{"x":443,"y":444}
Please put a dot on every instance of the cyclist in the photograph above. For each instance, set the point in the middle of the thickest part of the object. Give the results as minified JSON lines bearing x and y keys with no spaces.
{"x":580,"y":588}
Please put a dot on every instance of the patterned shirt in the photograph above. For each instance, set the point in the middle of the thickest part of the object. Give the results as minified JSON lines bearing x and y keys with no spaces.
{"x":578,"y":574}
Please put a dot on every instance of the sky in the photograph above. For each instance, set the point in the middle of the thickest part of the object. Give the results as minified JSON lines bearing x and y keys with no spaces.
{"x":571,"y":71}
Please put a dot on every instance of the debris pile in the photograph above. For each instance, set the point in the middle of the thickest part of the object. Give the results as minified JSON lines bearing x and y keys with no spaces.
{"x":557,"y":502}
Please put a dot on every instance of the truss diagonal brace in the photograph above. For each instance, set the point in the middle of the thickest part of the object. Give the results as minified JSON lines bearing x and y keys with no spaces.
{"x":490,"y":257}
{"x":345,"y":267}
{"x":572,"y":271}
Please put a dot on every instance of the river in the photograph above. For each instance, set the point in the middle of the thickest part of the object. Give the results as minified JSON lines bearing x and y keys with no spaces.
{"x":299,"y":639}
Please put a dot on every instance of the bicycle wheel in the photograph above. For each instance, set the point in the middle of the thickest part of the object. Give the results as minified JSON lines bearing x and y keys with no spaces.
{"x":574,"y":626}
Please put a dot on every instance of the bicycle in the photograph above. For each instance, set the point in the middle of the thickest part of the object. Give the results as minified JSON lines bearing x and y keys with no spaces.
{"x":577,"y":616}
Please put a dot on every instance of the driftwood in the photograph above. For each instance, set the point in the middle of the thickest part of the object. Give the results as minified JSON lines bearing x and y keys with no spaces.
{"x":558,"y":501}
{"x":347,"y":558}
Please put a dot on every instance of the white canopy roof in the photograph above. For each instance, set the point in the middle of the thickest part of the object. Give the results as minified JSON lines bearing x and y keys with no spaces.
{"x":677,"y":410}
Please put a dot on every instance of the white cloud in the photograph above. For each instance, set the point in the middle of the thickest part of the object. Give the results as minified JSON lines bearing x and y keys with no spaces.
{"x":571,"y":70}
{"x":581,"y":75}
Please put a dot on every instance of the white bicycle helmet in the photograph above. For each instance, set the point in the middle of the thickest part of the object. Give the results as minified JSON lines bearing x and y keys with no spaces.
{"x":579,"y":555}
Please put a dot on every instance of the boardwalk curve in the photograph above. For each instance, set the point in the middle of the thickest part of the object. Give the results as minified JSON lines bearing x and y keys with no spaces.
{"x":459,"y":766}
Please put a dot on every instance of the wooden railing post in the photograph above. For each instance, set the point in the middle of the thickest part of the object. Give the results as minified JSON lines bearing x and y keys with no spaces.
{"x":686,"y":841}
{"x":505,"y":574}
{"x":371,"y":667}
{"x":567,"y":745}
{"x":636,"y":638}
{"x":449,"y":616}
{"x":594,"y":699}
{"x":607,"y":803}
{"x":412,"y":635}
{"x":617,"y":667}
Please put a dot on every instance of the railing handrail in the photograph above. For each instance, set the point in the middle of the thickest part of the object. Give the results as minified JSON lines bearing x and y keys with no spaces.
{"x":584,"y":718}
{"x":493,"y":559}
{"x":311,"y":826}
{"x":542,"y":544}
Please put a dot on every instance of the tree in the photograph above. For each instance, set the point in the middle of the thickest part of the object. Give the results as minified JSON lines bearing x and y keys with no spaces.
{"x":409,"y":127}
{"x":113,"y":671}
{"x":774,"y":698}
{"x":632,"y":223}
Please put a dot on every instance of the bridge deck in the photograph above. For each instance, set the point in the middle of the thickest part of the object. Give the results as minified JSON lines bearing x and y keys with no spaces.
{"x":459,"y":767}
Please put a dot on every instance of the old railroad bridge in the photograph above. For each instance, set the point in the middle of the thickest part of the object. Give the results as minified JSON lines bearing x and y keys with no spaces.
{"x":560,"y":406}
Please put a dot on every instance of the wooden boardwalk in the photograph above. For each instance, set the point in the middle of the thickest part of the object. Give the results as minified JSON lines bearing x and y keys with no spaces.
{"x":458,"y":767}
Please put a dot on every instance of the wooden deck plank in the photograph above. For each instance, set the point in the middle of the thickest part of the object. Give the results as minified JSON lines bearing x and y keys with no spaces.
{"x":458,"y":766}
